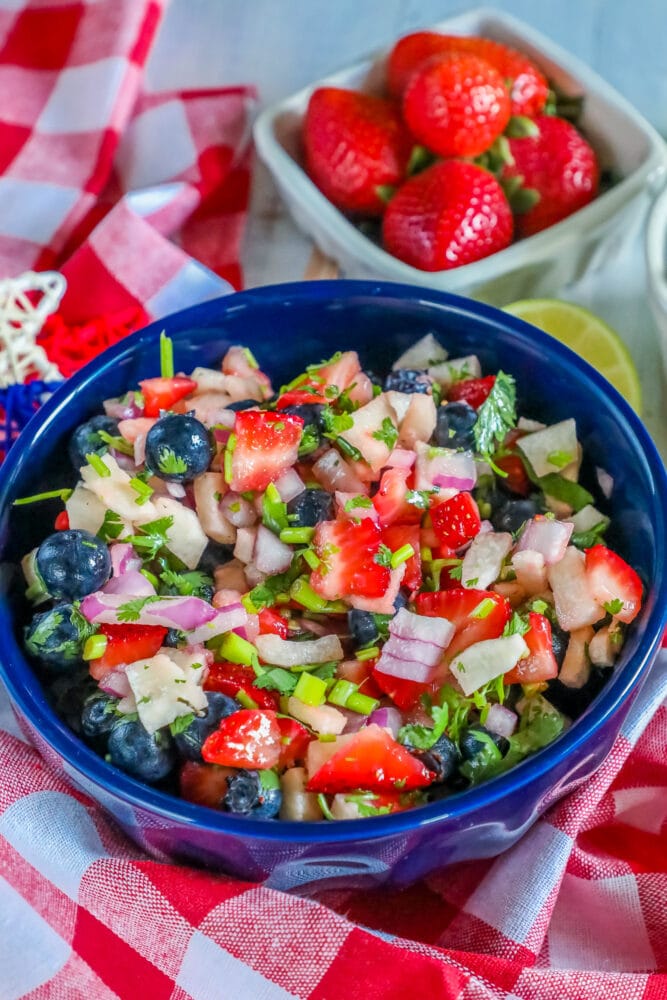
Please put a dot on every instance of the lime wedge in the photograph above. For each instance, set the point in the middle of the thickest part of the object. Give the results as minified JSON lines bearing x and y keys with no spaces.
{"x":589,"y":337}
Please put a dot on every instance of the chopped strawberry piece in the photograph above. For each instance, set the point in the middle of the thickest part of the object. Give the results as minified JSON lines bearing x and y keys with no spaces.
{"x":301,"y":395}
{"x":294,"y":740}
{"x":267,"y":444}
{"x":271,"y":623}
{"x":61,"y":522}
{"x":456,"y":521}
{"x":371,"y":760}
{"x":404,"y":693}
{"x":517,"y":480}
{"x":204,"y":784}
{"x":127,"y":644}
{"x":540,"y":664}
{"x":247,"y":738}
{"x":231,"y":678}
{"x":348,"y":566}
{"x":611,"y":580}
{"x":473,"y":620}
{"x":360,"y":672}
{"x":395,"y":537}
{"x":390,"y":500}
{"x":341,"y":372}
{"x":472,"y":390}
{"x":162,"y":393}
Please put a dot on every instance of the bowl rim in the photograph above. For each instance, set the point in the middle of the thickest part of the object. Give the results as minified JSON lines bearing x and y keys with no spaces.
{"x":288,"y":171}
{"x":78,"y":757}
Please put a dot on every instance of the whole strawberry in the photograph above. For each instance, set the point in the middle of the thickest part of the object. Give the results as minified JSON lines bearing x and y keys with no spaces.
{"x":456,"y":105}
{"x":528,"y":86}
{"x":451,"y":214}
{"x":557,"y":169}
{"x":354,"y":144}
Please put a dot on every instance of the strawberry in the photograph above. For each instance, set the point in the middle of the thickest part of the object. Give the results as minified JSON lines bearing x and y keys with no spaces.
{"x":390,"y":500}
{"x":540,"y":664}
{"x":354,"y":145}
{"x":611,"y":581}
{"x":247,"y":738}
{"x":127,"y":644}
{"x":450,"y":214}
{"x":204,"y":784}
{"x":558,"y":167}
{"x":456,"y":521}
{"x":61,"y":522}
{"x":528,"y":86}
{"x":372,"y":760}
{"x":348,"y":553}
{"x":271,"y":623}
{"x":456,"y":105}
{"x":162,"y":393}
{"x":472,"y":391}
{"x":473,"y":620}
{"x":297,"y":397}
{"x":267,"y":444}
{"x":404,"y":693}
{"x":231,"y":678}
{"x":294,"y":740}
{"x":395,"y":537}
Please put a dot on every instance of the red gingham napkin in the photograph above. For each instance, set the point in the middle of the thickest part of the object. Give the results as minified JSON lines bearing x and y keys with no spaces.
{"x":140,"y":200}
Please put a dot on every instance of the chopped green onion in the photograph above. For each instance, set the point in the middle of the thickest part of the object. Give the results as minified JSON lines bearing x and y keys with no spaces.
{"x":324,"y":806}
{"x":274,"y":510}
{"x":143,"y":489}
{"x":303,"y":594}
{"x":166,"y":356}
{"x":310,"y":690}
{"x":63,"y":495}
{"x":248,"y":495}
{"x":98,"y":465}
{"x":229,"y":456}
{"x":326,"y":738}
{"x":238,"y":650}
{"x":250,"y":358}
{"x":248,"y":605}
{"x":401,"y":555}
{"x":367,"y":654}
{"x":150,"y":577}
{"x":118,"y":443}
{"x":483,"y":609}
{"x":426,"y":554}
{"x":94,"y":647}
{"x":244,"y":698}
{"x":340,"y":692}
{"x":348,"y":449}
{"x":310,"y":558}
{"x":361,"y":703}
{"x":296,"y":536}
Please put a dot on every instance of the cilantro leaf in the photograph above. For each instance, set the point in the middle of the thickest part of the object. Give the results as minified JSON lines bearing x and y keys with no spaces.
{"x":359,"y":501}
{"x":383,"y":555}
{"x":419,"y":498}
{"x":151,"y":537}
{"x":193,"y":583}
{"x":614,"y":606}
{"x":310,"y":440}
{"x":265,"y":594}
{"x":497,"y":414}
{"x":382,"y":625}
{"x":424,"y":737}
{"x":325,"y":671}
{"x":181,"y":723}
{"x":387,"y":433}
{"x":335,"y":424}
{"x":111,"y":526}
{"x":169,"y":462}
{"x":554,"y":485}
{"x":364,"y":802}
{"x":131,"y":610}
{"x":587,"y":539}
{"x":517,"y":625}
{"x":277,"y":679}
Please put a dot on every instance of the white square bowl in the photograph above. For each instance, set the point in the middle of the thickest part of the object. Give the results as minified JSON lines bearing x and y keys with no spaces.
{"x":540,"y":265}
{"x":656,"y":266}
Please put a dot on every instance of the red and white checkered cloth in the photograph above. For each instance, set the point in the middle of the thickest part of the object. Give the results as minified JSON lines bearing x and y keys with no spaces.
{"x":126,"y":193}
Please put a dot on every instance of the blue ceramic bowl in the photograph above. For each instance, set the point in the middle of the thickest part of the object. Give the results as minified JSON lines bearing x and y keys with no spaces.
{"x":287,"y":326}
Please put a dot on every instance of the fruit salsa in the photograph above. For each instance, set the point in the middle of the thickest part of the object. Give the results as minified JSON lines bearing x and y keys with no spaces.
{"x":350,"y":597}
{"x":465,"y":148}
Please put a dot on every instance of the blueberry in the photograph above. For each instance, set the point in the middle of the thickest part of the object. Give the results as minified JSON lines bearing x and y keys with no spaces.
{"x":443,"y":758}
{"x":363,"y":628}
{"x":86,"y":439}
{"x":174,"y":638}
{"x":178,"y":448}
{"x":242,"y":404}
{"x":56,"y":637}
{"x":573,"y":701}
{"x":372,"y":377}
{"x":73,"y":563}
{"x":67,"y":694}
{"x":98,"y":717}
{"x":253,"y":793}
{"x":147,"y":756}
{"x":475,"y":738}
{"x":309,"y":508}
{"x":513,"y":513}
{"x":310,"y":413}
{"x":455,"y":426}
{"x":401,"y":600}
{"x":215,"y":554}
{"x":408,"y":380}
{"x":559,"y":641}
{"x":190,"y":741}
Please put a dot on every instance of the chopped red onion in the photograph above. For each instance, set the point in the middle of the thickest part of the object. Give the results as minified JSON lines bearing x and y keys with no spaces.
{"x":185,"y":613}
{"x":501,"y":720}
{"x":115,"y":683}
{"x":354,"y":720}
{"x":124,"y":462}
{"x":140,"y":449}
{"x":225,"y":620}
{"x":410,"y":670}
{"x":445,"y":468}
{"x":453,"y":483}
{"x":125,"y":409}
{"x":271,"y":555}
{"x":130,"y":584}
{"x":546,"y":535}
{"x":253,"y":575}
{"x":245,"y":544}
{"x":238,"y":511}
{"x":389,"y":718}
{"x":222,"y":435}
{"x":123,"y":558}
{"x":289,"y":485}
{"x":415,"y":646}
